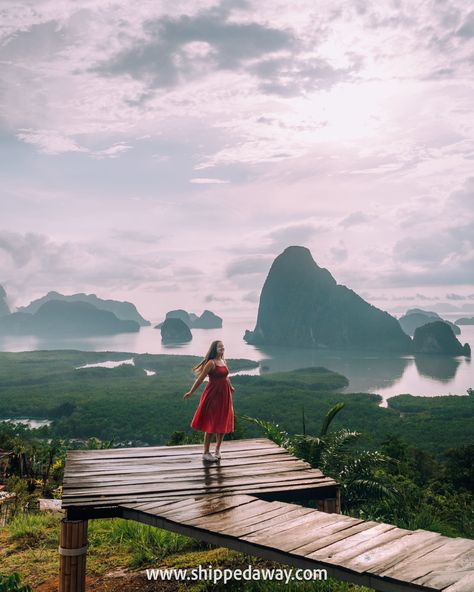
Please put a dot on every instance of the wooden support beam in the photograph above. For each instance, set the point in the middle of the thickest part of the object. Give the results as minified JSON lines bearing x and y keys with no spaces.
{"x":72,"y":555}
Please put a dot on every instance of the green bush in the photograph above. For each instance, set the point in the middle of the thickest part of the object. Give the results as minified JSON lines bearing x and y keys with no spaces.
{"x":12,"y":584}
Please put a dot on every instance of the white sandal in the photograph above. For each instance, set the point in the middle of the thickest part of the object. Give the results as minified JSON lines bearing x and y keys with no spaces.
{"x":209,"y":457}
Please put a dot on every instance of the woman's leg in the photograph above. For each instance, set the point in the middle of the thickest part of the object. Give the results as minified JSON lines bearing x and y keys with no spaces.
{"x":207,"y":441}
{"x":219,"y":438}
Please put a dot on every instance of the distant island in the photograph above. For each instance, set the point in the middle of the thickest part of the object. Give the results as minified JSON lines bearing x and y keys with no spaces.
{"x":302,"y":305}
{"x":438,"y":338}
{"x":465,"y":321}
{"x":126,"y":311}
{"x":416,"y":317}
{"x":208,"y":320}
{"x":175,"y":330}
{"x":61,"y":318}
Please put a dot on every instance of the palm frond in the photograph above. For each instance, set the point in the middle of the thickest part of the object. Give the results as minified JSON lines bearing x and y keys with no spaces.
{"x":330,"y":415}
{"x":272,"y":430}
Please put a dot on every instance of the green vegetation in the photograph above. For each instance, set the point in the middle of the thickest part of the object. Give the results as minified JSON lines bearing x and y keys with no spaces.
{"x":12,"y":584}
{"x":400,"y":484}
{"x":410,"y":464}
{"x":97,"y":402}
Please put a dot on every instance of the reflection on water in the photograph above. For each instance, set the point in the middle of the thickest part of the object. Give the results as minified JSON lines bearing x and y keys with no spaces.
{"x":443,"y":368}
{"x":31,"y":423}
{"x":387,"y":375}
{"x":108,"y":364}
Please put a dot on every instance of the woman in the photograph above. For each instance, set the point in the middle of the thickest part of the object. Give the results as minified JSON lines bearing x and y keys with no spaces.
{"x":215,"y":414}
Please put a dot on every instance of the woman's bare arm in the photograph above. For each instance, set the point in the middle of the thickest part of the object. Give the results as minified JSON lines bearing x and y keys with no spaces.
{"x":205,"y":371}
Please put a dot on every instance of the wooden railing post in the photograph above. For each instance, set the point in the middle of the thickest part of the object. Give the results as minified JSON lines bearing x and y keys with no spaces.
{"x":72,"y":555}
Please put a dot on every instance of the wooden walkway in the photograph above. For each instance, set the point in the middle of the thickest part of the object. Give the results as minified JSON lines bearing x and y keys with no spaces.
{"x":244,"y":502}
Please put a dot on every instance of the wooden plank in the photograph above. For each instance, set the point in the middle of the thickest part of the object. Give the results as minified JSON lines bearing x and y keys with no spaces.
{"x":142,"y":507}
{"x":241,"y":443}
{"x":196,"y":464}
{"x":254,"y":442}
{"x":322,"y":547}
{"x":279,"y":533}
{"x":274,"y":514}
{"x":290,"y":537}
{"x":151,"y":482}
{"x":447,"y":573}
{"x":205,"y":508}
{"x":439,"y":580}
{"x":229,"y":516}
{"x":191,"y":464}
{"x":204,"y":505}
{"x":250,"y":481}
{"x":221,"y":472}
{"x":465,"y":584}
{"x":355,"y":544}
{"x":172,"y":460}
{"x":109,"y":499}
{"x":320,"y":525}
{"x":391,"y":553}
{"x":168,"y":451}
{"x":267,"y":522}
{"x":440,"y":554}
{"x":226,"y":516}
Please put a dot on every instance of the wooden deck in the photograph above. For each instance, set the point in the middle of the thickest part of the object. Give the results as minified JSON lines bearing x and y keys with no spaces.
{"x":245,"y":503}
{"x":98,"y":482}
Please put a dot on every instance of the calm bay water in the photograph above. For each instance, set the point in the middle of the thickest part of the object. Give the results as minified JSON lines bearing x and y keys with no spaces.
{"x":387,"y":375}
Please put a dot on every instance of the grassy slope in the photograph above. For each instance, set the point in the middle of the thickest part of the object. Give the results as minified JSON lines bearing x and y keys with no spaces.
{"x":120,"y":551}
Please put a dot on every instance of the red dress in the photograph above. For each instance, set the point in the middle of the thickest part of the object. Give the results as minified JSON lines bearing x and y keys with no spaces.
{"x":215,"y":413}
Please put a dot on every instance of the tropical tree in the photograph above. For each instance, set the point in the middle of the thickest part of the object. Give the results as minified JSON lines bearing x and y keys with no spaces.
{"x":357,"y":471}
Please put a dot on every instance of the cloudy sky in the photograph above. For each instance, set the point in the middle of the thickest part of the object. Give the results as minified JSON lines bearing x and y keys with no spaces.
{"x":167,"y":152}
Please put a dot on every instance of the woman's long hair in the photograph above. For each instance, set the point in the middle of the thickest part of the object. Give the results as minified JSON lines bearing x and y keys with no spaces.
{"x":211,"y":355}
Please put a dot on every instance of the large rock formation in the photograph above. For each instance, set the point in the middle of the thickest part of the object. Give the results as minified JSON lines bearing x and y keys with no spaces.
{"x":208,"y":320}
{"x":175,"y":330}
{"x":301,"y":305}
{"x":122,"y":310}
{"x":415,"y":317}
{"x":59,"y":318}
{"x":438,"y":338}
{"x":4,"y":309}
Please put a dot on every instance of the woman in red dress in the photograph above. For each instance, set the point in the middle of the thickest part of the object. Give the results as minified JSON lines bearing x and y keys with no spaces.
{"x":215,"y":414}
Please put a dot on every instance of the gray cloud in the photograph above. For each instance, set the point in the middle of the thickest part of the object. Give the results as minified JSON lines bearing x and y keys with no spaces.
{"x":339,"y":253}
{"x":135,"y":236}
{"x":252,"y":296}
{"x":32,"y":264}
{"x":290,"y":76}
{"x":186,"y":271}
{"x":354,"y":218}
{"x":213,"y":298}
{"x":164,"y":58}
{"x":424,"y":297}
{"x":248,"y":265}
{"x":436,"y":246}
{"x":467,"y":27}
{"x":453,"y":296}
{"x":22,"y":248}
{"x":297,"y":234}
